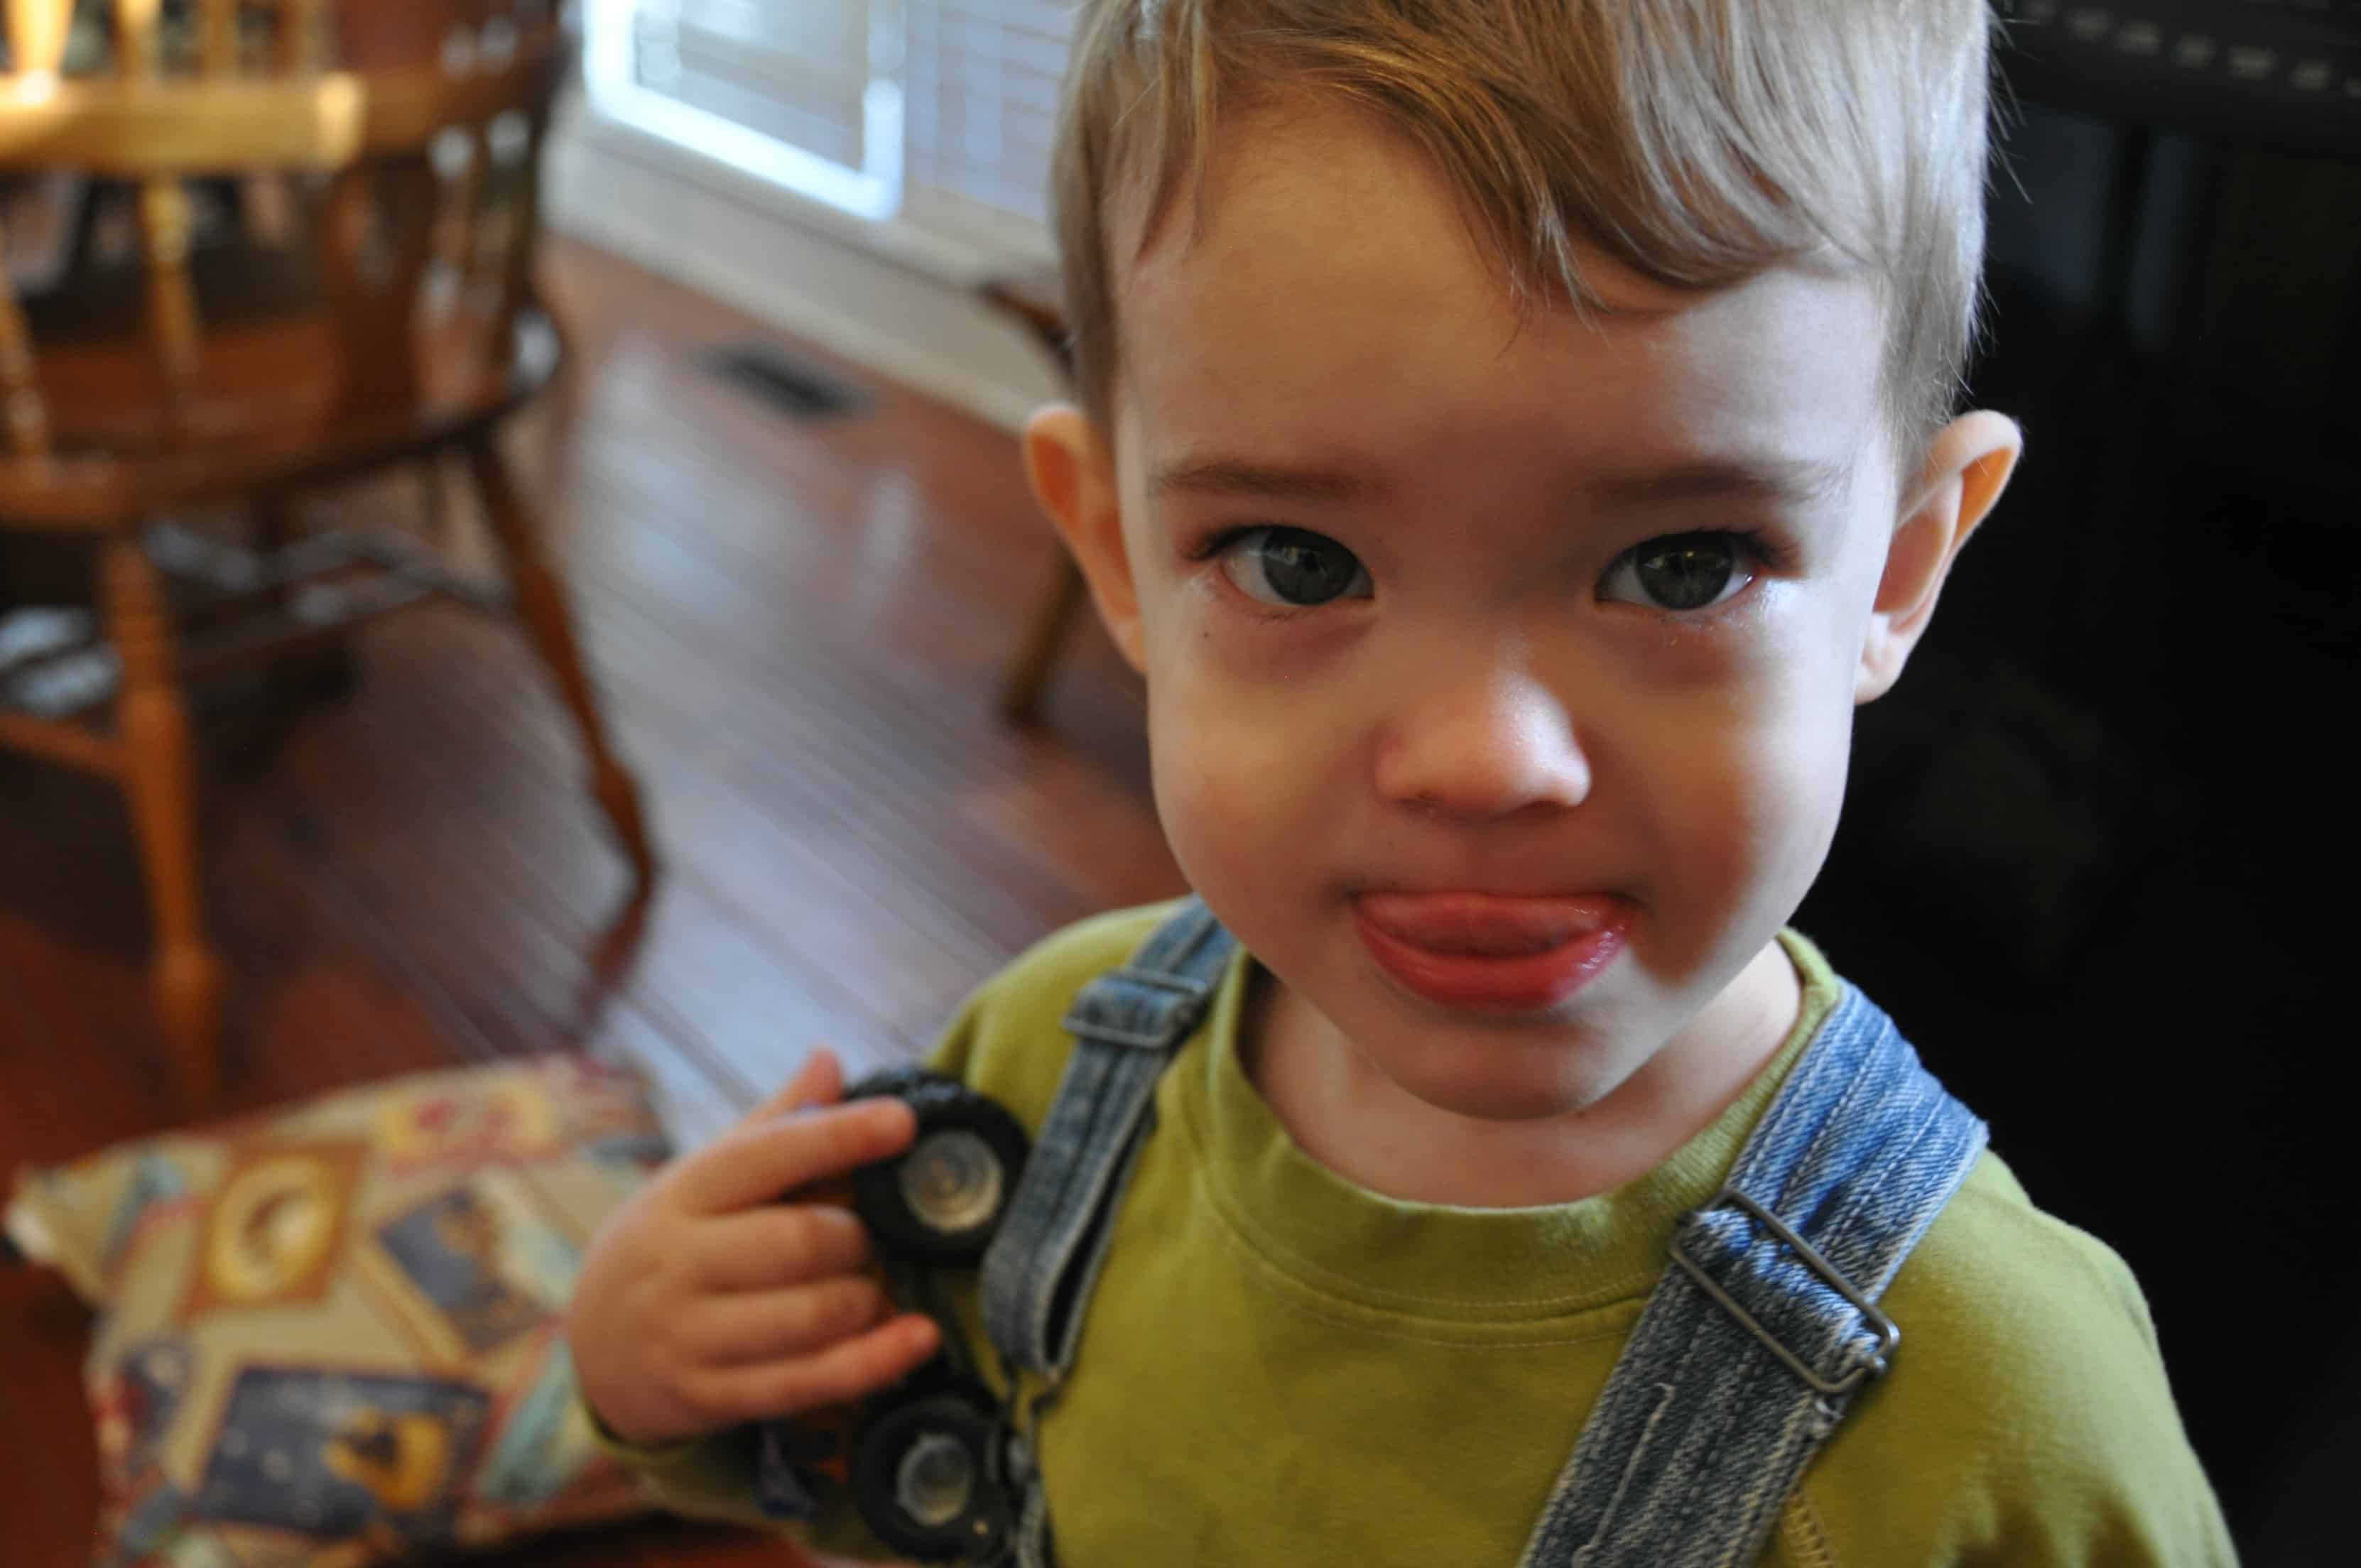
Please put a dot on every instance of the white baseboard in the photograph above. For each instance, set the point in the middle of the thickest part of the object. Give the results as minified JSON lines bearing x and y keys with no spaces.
{"x":901,"y":305}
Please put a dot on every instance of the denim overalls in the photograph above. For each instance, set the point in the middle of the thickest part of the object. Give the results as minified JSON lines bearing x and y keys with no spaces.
{"x":1740,"y":1367}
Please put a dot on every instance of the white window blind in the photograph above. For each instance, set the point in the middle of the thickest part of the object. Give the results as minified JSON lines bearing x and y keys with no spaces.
{"x":794,"y":72}
{"x":981,"y":94}
{"x":936,"y":113}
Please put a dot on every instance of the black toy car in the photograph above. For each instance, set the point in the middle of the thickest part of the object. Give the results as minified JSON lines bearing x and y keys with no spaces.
{"x":925,"y":1460}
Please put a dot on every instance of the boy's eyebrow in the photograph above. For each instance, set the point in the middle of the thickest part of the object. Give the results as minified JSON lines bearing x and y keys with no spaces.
{"x":1243,"y":478}
{"x":1796,"y":482}
{"x":1780,"y":481}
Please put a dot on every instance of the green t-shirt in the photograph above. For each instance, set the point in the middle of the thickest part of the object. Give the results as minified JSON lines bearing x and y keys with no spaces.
{"x":1280,"y":1366}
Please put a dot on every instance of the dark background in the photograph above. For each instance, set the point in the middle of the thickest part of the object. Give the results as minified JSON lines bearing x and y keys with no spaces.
{"x":2098,"y":853}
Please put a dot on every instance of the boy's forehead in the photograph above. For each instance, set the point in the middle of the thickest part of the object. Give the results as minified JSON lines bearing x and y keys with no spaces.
{"x":1336,"y":299}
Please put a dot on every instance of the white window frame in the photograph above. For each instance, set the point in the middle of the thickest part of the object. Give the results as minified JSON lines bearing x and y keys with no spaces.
{"x":863,"y":207}
{"x":872,"y":192}
{"x":897,"y":294}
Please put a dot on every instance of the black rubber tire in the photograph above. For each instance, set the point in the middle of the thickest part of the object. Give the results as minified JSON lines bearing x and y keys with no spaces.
{"x":899,"y":1080}
{"x":942,"y":1105}
{"x":890,"y":1437}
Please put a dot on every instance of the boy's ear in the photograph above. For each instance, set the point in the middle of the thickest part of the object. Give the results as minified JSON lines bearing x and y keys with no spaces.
{"x":1073,"y":475}
{"x":1967,"y":467}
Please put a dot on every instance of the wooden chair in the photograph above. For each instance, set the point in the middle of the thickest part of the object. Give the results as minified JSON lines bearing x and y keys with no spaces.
{"x":1033,"y":300}
{"x":397,"y":323}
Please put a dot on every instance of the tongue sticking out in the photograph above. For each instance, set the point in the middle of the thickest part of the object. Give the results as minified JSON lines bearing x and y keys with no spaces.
{"x":1486,"y":925}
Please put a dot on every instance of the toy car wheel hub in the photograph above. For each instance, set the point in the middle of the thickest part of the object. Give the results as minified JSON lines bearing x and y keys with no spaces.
{"x":934,"y":1480}
{"x":951,"y":1180}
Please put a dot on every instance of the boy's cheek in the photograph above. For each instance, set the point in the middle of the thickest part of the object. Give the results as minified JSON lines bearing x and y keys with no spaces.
{"x":1752,"y":819}
{"x":1231,"y":813}
{"x":1215,"y":785}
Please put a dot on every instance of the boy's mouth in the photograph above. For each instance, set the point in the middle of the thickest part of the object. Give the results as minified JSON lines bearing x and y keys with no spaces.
{"x":1489,"y":951}
{"x":1487,"y":924}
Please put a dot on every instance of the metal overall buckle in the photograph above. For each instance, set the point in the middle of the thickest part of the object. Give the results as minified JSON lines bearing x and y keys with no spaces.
{"x":1888,"y":1333}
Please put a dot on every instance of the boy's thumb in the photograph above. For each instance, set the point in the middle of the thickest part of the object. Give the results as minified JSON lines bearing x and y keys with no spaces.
{"x":819,"y":1082}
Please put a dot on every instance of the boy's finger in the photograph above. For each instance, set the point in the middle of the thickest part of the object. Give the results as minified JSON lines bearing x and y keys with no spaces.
{"x":818,"y":1081}
{"x":763,"y":1162}
{"x":776,"y":1245}
{"x":769,"y":1325}
{"x":846,"y":1370}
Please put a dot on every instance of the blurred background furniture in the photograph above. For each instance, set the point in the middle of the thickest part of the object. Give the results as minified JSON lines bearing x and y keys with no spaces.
{"x":1032,"y":298}
{"x":334,"y":215}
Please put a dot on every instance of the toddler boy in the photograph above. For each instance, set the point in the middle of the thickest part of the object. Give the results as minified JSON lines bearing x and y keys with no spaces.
{"x":1513,"y":435}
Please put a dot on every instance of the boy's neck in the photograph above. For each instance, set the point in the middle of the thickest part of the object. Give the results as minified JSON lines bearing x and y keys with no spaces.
{"x":1351,"y":1119}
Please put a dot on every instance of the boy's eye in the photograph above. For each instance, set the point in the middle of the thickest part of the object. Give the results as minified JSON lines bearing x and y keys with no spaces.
{"x":1685,"y":572}
{"x":1292,"y":567}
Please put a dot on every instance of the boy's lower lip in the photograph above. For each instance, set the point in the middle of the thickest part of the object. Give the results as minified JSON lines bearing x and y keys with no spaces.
{"x":1466,"y":950}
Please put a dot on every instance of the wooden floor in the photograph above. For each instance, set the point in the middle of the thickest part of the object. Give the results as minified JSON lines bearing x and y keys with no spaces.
{"x":798,"y":628}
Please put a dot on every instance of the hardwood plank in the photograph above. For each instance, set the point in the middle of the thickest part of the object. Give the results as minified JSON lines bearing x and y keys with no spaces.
{"x":693,"y":967}
{"x":765,"y":836}
{"x":89,"y":1071}
{"x":48,"y":1452}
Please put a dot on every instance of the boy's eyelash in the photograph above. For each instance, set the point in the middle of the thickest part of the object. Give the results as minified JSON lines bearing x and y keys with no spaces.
{"x":1768,"y":550}
{"x":1221,"y":539}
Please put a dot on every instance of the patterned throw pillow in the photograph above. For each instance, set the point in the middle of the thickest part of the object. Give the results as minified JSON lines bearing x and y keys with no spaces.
{"x":329,"y":1335}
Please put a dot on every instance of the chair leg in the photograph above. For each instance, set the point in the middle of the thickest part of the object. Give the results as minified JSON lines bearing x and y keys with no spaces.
{"x":434,"y":499}
{"x":315,"y":669}
{"x":152,"y":721}
{"x":542,"y":603}
{"x":1028,"y":671}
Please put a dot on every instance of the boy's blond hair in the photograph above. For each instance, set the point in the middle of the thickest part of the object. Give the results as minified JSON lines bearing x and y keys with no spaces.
{"x":1697,"y":141}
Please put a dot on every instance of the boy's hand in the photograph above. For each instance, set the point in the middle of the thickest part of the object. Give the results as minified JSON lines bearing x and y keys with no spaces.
{"x":712,"y":1297}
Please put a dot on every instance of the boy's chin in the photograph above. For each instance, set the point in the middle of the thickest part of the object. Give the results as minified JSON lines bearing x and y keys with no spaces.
{"x":1507,"y":1096}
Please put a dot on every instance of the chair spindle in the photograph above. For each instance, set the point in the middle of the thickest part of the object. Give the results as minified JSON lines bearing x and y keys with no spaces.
{"x":37,"y":34}
{"x":302,"y":41}
{"x":27,"y":416}
{"x":219,"y":48}
{"x":138,"y":54}
{"x":468,"y":204}
{"x":171,"y":294}
{"x":523,"y":231}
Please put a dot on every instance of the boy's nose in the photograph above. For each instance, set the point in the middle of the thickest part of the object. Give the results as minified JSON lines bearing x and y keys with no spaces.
{"x":1483,"y":748}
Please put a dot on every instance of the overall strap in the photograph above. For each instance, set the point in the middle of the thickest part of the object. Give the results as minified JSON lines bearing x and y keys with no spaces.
{"x":1127,"y":1024}
{"x":1044,"y":1260}
{"x":1751,"y":1348}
